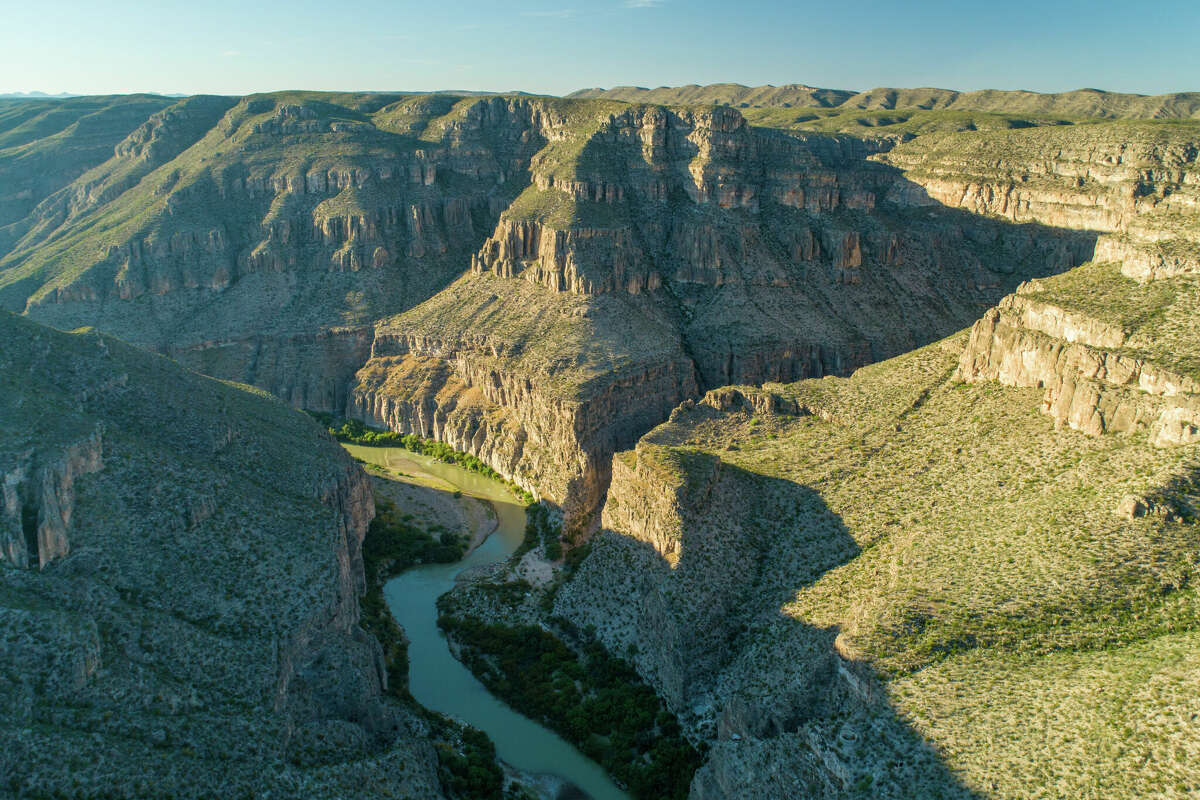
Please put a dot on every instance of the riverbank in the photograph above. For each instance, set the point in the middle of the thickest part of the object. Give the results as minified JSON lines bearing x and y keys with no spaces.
{"x":501,"y":624}
{"x":453,"y":500}
{"x":436,"y":502}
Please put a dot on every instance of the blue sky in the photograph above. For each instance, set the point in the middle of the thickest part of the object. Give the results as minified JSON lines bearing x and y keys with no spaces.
{"x":555,"y":46}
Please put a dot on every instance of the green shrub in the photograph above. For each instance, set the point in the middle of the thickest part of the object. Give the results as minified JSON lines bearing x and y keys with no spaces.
{"x":467,"y":768}
{"x":354,"y":432}
{"x":597,"y":702}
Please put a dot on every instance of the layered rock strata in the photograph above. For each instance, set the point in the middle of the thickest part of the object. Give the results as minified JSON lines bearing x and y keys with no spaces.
{"x":854,"y":584}
{"x":269,"y":248}
{"x":748,"y":253}
{"x":1137,"y":184}
{"x":1089,"y":383}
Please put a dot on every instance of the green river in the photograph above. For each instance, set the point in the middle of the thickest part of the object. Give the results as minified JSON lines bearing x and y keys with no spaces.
{"x":438,"y":680}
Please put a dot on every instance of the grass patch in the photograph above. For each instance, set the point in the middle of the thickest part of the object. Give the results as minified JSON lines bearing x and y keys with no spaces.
{"x":354,"y":432}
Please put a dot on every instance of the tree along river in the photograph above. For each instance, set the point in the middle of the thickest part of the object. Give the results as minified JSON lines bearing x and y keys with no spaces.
{"x":438,"y":680}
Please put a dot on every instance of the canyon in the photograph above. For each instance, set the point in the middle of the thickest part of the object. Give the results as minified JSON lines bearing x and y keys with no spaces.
{"x":869,"y":415}
{"x":303,"y":238}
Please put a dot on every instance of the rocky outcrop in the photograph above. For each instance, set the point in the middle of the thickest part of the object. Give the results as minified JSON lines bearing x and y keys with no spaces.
{"x":463,"y":393}
{"x":1139,"y":186}
{"x":676,"y":579}
{"x":606,"y":218}
{"x":330,"y":668}
{"x":1083,"y":177}
{"x":1148,"y":255}
{"x":38,"y":500}
{"x":556,"y":259}
{"x":1090,"y":384}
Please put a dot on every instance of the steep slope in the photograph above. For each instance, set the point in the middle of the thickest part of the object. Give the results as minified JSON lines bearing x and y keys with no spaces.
{"x":179,"y":570}
{"x":677,"y":236}
{"x":46,"y":144}
{"x":540,"y":280}
{"x":265,"y":249}
{"x":1113,"y":355}
{"x":909,"y":586}
{"x":1136,"y":182}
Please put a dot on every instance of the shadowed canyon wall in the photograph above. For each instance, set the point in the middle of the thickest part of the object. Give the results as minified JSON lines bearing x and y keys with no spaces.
{"x":539,"y":281}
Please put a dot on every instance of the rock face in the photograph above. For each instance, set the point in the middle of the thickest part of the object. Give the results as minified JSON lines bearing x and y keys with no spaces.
{"x":852,"y":583}
{"x":733,"y":254}
{"x":1090,"y":385}
{"x":258,"y":238}
{"x":1137,"y":185}
{"x":181,"y":562}
{"x":39,"y":501}
{"x":539,"y":281}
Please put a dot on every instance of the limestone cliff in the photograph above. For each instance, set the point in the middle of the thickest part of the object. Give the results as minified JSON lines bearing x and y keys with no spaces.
{"x":1113,"y":355}
{"x":39,"y":501}
{"x":903,"y":583}
{"x":1138,"y":184}
{"x":541,"y":280}
{"x":514,"y":394}
{"x":734,"y":254}
{"x":181,"y":561}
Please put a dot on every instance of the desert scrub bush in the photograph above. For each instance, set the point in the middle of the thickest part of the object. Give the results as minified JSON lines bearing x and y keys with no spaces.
{"x":540,"y":529}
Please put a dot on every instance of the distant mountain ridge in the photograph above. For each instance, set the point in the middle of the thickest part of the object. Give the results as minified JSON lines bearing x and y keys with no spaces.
{"x":34,"y":95}
{"x":1079,"y":103}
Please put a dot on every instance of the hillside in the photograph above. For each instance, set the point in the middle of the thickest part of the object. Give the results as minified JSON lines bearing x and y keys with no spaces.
{"x":179,"y":576}
{"x":967,"y":571}
{"x":1081,"y":103}
{"x":871,"y":418}
{"x":964,"y":572}
{"x":46,"y":144}
{"x":773,"y":256}
{"x":538,"y":281}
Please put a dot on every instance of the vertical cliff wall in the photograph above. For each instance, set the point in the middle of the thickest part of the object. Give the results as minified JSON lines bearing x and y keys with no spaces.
{"x":578,"y":267}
